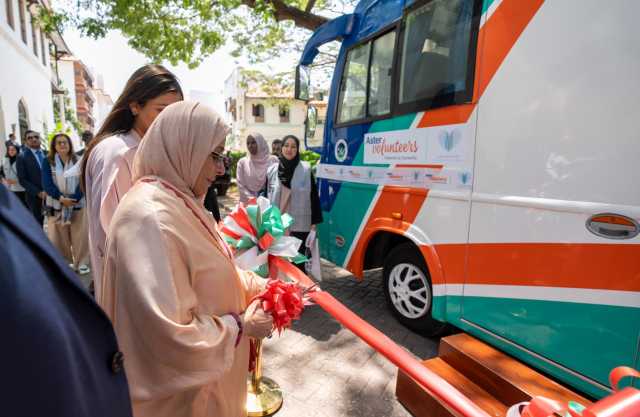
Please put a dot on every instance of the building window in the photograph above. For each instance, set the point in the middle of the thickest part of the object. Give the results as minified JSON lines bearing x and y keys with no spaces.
{"x":34,"y":35}
{"x":43,"y":49}
{"x":23,"y":22}
{"x":258,"y":113}
{"x":283,"y":110}
{"x":9,"y":10}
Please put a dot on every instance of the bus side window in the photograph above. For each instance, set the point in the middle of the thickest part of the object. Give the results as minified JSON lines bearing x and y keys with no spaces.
{"x":380,"y":74}
{"x":353,"y":89}
{"x":435,"y":51}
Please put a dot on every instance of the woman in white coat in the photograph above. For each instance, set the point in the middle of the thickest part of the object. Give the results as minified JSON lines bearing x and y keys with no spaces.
{"x":292,"y":187}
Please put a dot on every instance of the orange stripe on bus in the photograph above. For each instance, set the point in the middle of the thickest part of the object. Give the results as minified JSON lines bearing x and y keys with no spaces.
{"x":405,"y":200}
{"x":497,"y":37}
{"x":447,"y":115}
{"x":568,"y":265}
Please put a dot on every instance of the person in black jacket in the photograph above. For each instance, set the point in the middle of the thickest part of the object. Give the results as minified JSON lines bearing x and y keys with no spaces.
{"x":61,"y":357}
{"x":29,"y":167}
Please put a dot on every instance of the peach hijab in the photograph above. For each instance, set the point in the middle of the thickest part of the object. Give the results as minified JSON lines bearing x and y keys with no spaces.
{"x":178,"y":143}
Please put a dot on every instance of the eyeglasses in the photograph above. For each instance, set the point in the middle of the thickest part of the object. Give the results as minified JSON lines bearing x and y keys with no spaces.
{"x":33,"y":137}
{"x":218,"y":158}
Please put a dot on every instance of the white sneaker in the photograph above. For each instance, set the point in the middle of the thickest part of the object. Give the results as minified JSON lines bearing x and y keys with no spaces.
{"x":83,"y":269}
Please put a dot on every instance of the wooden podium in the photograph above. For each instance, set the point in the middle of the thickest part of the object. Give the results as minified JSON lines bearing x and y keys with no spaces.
{"x":490,"y":378}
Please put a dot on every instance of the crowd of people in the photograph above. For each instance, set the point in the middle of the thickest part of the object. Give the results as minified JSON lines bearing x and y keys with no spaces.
{"x":41,"y":182}
{"x":171,"y":310}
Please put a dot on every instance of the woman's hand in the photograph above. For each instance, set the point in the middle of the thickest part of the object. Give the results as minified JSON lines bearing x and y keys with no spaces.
{"x":256,"y":323}
{"x":67,"y":202}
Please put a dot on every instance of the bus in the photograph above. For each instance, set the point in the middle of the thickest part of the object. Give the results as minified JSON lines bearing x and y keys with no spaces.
{"x":486,"y":155}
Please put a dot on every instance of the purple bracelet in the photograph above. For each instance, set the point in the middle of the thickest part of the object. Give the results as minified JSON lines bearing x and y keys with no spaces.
{"x":239,"y":323}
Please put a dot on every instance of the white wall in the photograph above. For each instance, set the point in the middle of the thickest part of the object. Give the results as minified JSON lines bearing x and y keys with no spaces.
{"x":22,"y":76}
{"x":67,"y":77}
{"x":101,"y":108}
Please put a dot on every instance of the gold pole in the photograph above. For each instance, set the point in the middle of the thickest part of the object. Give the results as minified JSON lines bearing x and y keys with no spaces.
{"x":264,"y":397}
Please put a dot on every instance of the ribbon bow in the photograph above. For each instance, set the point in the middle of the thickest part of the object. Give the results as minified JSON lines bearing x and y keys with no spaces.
{"x":285,"y":302}
{"x":257,"y":233}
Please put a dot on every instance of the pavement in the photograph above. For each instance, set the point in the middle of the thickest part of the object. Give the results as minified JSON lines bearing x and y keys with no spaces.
{"x":323,"y":369}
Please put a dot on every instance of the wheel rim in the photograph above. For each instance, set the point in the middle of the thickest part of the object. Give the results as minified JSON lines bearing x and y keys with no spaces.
{"x":409,"y":290}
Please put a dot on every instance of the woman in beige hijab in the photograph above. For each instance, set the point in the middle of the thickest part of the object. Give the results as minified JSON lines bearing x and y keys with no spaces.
{"x":176,"y":299}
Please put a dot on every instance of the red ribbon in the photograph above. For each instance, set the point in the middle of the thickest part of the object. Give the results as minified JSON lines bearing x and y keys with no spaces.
{"x":241,"y":217}
{"x":404,"y":360}
{"x":265,"y":241}
{"x":284,"y":301}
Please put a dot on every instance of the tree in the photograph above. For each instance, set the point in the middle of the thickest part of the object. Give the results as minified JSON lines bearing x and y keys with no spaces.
{"x":190,"y":30}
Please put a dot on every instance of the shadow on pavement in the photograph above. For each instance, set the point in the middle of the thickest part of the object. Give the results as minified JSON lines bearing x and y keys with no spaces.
{"x":366,"y":299}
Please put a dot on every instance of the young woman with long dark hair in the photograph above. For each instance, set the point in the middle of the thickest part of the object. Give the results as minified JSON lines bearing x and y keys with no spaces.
{"x":107,"y":162}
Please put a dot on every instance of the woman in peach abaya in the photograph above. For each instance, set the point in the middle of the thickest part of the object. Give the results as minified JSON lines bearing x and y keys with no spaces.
{"x":178,"y":304}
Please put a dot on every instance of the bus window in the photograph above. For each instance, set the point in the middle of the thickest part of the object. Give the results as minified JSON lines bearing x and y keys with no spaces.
{"x":353,"y":89}
{"x":435,"y":52}
{"x":380,"y":74}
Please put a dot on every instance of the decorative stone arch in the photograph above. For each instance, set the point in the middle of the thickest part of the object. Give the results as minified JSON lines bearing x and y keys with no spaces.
{"x":23,"y":119}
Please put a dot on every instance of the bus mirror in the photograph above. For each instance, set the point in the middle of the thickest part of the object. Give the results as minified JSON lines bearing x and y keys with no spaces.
{"x":303,"y":81}
{"x":310,"y":125}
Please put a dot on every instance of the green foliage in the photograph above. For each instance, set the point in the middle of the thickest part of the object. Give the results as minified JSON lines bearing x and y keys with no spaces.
{"x":235,"y":157}
{"x":311,"y":157}
{"x":69,"y":115}
{"x":190,"y":30}
{"x":58,"y":129}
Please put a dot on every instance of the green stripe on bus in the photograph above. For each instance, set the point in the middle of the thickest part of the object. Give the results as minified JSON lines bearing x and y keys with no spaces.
{"x":486,"y":5}
{"x":353,"y":200}
{"x":609,"y":342}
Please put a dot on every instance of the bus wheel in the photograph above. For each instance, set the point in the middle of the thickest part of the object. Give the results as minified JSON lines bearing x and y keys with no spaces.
{"x":407,"y":288}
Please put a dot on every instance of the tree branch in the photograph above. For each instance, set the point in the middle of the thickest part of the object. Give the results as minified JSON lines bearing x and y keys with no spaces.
{"x":310,"y":4}
{"x":301,"y":18}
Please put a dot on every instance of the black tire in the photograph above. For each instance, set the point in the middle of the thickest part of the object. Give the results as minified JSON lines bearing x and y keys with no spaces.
{"x":408,"y":309}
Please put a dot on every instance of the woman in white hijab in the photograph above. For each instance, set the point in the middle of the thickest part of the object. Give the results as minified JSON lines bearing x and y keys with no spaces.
{"x":178,"y":304}
{"x":251,"y":173}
